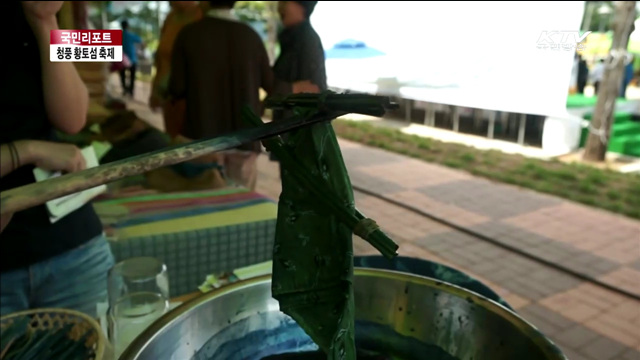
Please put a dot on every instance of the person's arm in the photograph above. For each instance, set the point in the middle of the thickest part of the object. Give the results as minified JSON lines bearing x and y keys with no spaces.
{"x":268,"y":81}
{"x":274,"y":86}
{"x":156,"y":62}
{"x":161,"y":41}
{"x":155,"y":96}
{"x":47,"y":155}
{"x":66,"y":97}
{"x":7,"y":158}
{"x":138,"y":40}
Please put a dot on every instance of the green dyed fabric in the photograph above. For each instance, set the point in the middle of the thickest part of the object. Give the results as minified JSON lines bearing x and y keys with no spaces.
{"x":313,"y":251}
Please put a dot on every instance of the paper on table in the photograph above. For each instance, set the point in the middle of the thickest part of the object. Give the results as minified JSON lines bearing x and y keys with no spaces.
{"x":213,"y":282}
{"x":254,"y":270}
{"x":61,"y":207}
{"x":101,"y":148}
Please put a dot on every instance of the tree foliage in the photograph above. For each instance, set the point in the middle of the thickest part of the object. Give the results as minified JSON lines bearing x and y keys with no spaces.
{"x":598,"y":21}
{"x":251,"y":11}
{"x":143,"y":20}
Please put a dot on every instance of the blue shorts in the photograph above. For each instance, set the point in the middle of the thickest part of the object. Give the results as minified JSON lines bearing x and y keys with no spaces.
{"x":76,"y":280}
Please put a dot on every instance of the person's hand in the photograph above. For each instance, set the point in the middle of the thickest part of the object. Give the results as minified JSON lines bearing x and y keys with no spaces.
{"x":304,"y":86}
{"x":4,"y":221}
{"x":41,"y":10}
{"x":57,"y":157}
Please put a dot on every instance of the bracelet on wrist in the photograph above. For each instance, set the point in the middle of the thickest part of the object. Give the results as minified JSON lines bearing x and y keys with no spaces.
{"x":15,"y":156}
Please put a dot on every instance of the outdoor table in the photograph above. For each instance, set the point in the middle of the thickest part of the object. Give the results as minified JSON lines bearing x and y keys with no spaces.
{"x":193,"y":233}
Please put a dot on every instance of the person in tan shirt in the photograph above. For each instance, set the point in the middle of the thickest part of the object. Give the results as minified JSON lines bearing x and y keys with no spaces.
{"x":182,"y":13}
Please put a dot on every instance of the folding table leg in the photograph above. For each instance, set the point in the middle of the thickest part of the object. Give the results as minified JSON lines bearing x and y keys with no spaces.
{"x":521,"y":128}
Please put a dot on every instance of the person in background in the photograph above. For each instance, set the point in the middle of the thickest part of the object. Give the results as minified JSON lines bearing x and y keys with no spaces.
{"x":219,"y":66}
{"x":181,"y":14}
{"x":301,"y":51}
{"x":573,"y":82}
{"x":596,"y":75}
{"x":45,"y":265}
{"x":583,"y":75}
{"x":626,"y":78}
{"x":130,"y":43}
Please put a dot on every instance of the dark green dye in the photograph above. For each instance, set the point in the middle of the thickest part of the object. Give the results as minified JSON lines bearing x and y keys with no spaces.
{"x":287,"y":341}
{"x":319,"y":355}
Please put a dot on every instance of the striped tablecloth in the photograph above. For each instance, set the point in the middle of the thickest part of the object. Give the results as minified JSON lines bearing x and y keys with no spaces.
{"x":194,"y":233}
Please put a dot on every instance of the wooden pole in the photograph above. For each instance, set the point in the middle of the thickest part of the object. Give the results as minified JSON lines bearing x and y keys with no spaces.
{"x":34,"y":194}
{"x":600,"y":127}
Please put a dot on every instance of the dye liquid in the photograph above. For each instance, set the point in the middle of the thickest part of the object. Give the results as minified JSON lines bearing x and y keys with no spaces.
{"x":319,"y":355}
{"x":274,"y":336}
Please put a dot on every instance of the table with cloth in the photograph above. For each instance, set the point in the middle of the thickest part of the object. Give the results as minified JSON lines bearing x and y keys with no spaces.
{"x":193,"y":233}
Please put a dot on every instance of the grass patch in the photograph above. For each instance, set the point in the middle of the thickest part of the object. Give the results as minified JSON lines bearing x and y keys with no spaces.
{"x":604,"y":189}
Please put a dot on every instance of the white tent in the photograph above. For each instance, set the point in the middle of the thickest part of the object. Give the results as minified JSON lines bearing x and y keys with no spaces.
{"x":472,"y":54}
{"x":487,"y":49}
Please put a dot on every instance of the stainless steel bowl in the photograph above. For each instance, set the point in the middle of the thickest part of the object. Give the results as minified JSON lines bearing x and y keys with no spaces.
{"x":393,"y":310}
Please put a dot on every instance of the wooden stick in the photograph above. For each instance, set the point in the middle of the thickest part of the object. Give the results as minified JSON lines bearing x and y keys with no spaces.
{"x":38,"y":193}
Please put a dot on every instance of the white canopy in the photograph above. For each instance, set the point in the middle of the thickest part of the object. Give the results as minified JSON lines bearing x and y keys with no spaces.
{"x":473,"y":54}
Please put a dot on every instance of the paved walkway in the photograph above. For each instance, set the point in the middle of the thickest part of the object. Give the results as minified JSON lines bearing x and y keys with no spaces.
{"x":587,"y":321}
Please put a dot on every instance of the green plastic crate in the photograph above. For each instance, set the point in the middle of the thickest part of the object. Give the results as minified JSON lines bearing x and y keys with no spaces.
{"x":579,"y":100}
{"x":625,"y":135}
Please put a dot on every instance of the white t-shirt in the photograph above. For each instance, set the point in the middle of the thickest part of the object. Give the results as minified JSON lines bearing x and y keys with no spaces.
{"x":574,"y":74}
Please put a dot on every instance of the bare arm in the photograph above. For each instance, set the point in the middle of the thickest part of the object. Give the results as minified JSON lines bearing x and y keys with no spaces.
{"x":48,"y":155}
{"x":269,"y":82}
{"x":8,"y":163}
{"x":158,"y":64}
{"x":274,"y":86}
{"x":66,"y":97}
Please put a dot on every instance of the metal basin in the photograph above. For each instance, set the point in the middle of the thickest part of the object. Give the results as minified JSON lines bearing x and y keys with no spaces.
{"x":403,"y":315}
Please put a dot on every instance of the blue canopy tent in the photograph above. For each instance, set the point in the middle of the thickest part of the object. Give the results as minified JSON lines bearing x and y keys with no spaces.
{"x":351,"y":49}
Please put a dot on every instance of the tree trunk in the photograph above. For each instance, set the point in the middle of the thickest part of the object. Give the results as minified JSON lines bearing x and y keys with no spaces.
{"x":602,"y":121}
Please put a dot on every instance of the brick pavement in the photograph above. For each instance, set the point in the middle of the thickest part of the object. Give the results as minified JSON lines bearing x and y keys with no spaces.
{"x":587,"y":321}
